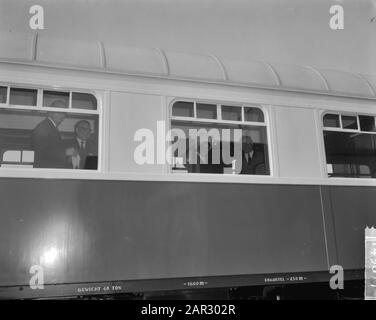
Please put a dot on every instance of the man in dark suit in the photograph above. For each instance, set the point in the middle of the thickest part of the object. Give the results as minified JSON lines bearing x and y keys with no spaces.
{"x":253,"y":161}
{"x":81,"y":147}
{"x":49,"y":149}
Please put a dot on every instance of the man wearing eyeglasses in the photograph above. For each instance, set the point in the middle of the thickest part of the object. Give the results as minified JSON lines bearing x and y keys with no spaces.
{"x":82,"y":147}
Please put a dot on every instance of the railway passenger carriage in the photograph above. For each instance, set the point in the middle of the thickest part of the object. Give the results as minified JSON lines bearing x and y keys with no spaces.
{"x":122,"y":227}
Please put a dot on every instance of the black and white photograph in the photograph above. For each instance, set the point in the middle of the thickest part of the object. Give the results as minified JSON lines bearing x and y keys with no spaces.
{"x":205,"y":151}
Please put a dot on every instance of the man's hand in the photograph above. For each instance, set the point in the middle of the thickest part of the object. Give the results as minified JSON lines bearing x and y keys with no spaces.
{"x":71,"y":152}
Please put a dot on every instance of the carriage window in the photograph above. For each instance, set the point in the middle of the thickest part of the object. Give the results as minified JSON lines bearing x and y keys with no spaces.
{"x":230,"y":146}
{"x":367,"y":123}
{"x":84,"y":101}
{"x":3,"y":94}
{"x":349,"y":122}
{"x":351,"y":153}
{"x":206,"y":111}
{"x":253,"y":114}
{"x":332,"y":120}
{"x":55,"y":139}
{"x":48,"y":139}
{"x":51,"y":96}
{"x":231,"y":113}
{"x":183,"y":109}
{"x":23,"y":97}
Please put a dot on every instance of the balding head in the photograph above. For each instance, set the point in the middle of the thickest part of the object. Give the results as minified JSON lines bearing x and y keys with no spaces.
{"x":57,"y":117}
{"x":58,"y":104}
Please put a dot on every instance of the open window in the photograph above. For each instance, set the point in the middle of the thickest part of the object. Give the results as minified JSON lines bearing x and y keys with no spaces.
{"x":216,"y":138}
{"x":350,"y":145}
{"x":52,"y":135}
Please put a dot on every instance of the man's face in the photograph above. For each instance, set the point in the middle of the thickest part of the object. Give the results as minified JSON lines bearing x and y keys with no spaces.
{"x":247,"y":144}
{"x":83,"y":131}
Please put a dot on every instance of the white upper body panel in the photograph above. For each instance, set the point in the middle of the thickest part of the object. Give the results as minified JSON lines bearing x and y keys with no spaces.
{"x":302,"y":95}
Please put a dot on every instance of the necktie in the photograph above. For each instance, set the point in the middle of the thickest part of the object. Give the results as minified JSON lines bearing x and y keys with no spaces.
{"x":82,"y":145}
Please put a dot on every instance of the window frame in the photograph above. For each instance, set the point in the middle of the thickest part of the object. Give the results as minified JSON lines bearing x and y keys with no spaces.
{"x":351,"y":114}
{"x":341,"y":129}
{"x":18,"y":87}
{"x":39,"y":107}
{"x":219,"y":103}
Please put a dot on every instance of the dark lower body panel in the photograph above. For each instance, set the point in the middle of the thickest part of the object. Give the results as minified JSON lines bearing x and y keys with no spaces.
{"x":125,"y":236}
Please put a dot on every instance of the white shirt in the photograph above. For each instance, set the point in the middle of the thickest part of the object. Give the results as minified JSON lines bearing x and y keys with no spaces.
{"x":249,"y":156}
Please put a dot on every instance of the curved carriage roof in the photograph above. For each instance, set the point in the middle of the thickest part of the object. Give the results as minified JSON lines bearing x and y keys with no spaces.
{"x":99,"y":56}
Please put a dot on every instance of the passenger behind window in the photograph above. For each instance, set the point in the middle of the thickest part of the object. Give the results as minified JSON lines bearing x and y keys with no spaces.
{"x":253,"y":157}
{"x":46,"y":141}
{"x":252,"y":161}
{"x":202,"y":158}
{"x":82,"y":150}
